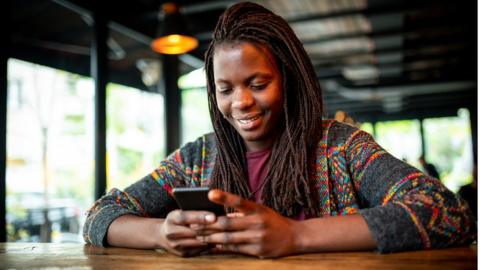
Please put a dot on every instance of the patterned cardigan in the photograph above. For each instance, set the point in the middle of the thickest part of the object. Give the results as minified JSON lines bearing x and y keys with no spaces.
{"x":404,"y":208}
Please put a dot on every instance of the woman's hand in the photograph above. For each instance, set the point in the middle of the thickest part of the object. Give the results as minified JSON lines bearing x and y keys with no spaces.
{"x":178,"y":238}
{"x":257,"y":230}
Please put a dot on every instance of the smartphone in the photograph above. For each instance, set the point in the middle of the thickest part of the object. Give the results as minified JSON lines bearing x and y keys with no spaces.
{"x":196,"y":198}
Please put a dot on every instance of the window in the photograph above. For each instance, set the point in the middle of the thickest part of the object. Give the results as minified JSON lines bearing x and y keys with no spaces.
{"x":195,"y":114}
{"x":401,"y":139}
{"x":135,"y":134}
{"x":448,"y":144}
{"x":49,"y":153}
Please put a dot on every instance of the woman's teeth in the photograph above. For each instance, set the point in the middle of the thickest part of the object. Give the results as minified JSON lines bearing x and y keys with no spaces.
{"x":246,"y":121}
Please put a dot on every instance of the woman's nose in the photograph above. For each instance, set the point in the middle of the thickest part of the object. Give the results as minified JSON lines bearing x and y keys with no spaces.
{"x":242,"y":99}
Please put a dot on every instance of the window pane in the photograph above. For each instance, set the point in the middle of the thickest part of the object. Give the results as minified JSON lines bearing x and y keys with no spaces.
{"x":449,"y":147}
{"x":195,"y":114}
{"x":367,"y":127}
{"x":49,"y":153}
{"x":135,"y":134}
{"x":401,"y":139}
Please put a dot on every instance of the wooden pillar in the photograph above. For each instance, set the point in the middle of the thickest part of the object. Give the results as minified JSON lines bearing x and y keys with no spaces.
{"x":99,"y":64}
{"x":173,"y":102}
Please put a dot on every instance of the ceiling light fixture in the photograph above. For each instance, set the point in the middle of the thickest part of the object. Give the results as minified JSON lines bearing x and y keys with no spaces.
{"x":173,"y":37}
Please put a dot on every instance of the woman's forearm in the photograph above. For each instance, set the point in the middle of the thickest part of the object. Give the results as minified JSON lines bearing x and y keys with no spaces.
{"x":338,"y":233}
{"x":135,"y":232}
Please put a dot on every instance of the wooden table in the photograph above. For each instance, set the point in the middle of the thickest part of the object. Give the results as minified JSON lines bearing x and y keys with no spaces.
{"x":79,"y":256}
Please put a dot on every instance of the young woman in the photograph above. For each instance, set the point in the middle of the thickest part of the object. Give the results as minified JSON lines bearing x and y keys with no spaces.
{"x":292,"y":182}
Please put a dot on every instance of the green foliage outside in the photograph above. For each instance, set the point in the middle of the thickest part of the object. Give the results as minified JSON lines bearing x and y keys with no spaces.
{"x":449,"y":148}
{"x":128,"y":160}
{"x":195,"y":114}
{"x":134,"y":134}
{"x":448,"y":145}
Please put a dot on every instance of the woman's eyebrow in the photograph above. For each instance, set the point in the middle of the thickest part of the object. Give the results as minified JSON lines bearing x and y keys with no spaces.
{"x":261,"y":75}
{"x":221,"y":81}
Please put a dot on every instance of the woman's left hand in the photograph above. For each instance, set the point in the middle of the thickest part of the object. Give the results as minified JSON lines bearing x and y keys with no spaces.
{"x":257,"y":230}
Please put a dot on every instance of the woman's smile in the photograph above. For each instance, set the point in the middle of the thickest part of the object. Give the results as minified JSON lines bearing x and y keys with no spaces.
{"x":249,"y":122}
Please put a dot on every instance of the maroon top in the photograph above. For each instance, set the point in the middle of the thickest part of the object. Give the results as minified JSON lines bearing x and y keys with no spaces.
{"x":258,"y":164}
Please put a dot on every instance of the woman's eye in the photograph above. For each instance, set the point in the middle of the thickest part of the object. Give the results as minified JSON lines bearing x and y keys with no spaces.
{"x":224,"y":90}
{"x":260,"y":86}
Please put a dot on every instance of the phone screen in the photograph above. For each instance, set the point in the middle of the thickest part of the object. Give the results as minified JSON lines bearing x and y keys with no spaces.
{"x":196,"y":198}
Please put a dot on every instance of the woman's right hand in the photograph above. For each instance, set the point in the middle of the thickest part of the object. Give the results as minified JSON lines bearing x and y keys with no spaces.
{"x":178,"y":238}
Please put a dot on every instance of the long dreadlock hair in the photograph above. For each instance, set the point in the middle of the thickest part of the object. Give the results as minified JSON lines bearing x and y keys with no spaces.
{"x":287,"y":188}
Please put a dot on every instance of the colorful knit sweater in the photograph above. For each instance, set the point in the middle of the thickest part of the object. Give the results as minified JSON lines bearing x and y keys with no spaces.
{"x":404,"y":208}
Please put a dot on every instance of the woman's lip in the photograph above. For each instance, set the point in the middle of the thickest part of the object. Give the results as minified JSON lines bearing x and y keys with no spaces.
{"x":249,"y":125}
{"x":245,"y":120}
{"x":247,"y":117}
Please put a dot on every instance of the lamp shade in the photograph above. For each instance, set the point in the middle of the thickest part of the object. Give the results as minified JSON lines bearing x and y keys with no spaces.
{"x":173,"y":36}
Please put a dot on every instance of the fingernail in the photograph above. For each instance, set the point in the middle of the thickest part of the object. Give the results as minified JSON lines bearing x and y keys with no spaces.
{"x":210,"y":218}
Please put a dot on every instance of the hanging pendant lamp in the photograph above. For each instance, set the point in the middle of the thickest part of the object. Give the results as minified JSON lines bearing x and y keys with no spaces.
{"x":173,"y":36}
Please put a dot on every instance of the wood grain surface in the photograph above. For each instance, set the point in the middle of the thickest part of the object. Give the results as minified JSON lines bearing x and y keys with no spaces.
{"x":80,"y":256}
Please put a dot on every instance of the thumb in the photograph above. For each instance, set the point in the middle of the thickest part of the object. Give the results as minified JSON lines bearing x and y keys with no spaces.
{"x":233,"y":201}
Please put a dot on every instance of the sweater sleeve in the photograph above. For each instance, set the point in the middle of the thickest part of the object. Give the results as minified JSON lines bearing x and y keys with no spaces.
{"x":148,"y":197}
{"x":404,"y":208}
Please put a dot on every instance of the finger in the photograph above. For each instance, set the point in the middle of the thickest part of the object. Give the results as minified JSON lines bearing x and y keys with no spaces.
{"x":197,"y":227}
{"x":248,"y":249}
{"x":207,"y":232}
{"x":173,"y":232}
{"x":233,"y":224}
{"x":181,"y":217}
{"x":234,"y":201}
{"x":190,"y":251}
{"x":187,"y":243}
{"x":200,"y":229}
{"x":241,"y":237}
{"x":235,"y":215}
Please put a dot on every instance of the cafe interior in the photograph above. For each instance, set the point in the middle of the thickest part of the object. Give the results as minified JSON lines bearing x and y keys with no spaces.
{"x":96,"y":93}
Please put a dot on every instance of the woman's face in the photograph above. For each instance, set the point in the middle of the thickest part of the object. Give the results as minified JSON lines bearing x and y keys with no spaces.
{"x":248,"y":89}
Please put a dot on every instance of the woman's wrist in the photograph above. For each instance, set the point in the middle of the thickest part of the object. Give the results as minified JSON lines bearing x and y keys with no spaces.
{"x":337,"y":233}
{"x":159,"y":239}
{"x":135,"y":232}
{"x":300,"y":237}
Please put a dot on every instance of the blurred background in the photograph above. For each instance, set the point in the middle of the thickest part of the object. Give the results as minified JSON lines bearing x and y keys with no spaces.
{"x":88,"y":103}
